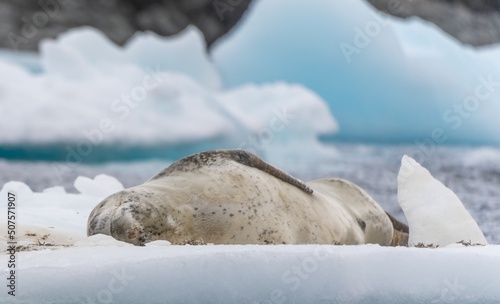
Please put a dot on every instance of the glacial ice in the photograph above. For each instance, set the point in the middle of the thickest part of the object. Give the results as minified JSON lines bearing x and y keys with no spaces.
{"x":386,"y":79}
{"x":96,"y":98}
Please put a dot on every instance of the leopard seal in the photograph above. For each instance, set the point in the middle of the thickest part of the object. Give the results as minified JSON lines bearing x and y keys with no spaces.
{"x":234,"y":197}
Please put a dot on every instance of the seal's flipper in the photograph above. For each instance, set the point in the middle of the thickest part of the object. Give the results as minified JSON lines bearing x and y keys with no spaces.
{"x":251,"y":160}
{"x":398,"y":225}
{"x":399,"y":238}
{"x":401,"y":232}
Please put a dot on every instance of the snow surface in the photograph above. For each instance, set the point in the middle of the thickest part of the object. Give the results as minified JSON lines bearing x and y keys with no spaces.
{"x":258,"y":274}
{"x":55,"y":212}
{"x":59,"y":264}
{"x":154,"y":93}
{"x":401,"y":81}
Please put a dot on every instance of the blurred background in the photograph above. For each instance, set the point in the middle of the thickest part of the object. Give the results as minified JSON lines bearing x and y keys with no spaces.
{"x":319,"y":88}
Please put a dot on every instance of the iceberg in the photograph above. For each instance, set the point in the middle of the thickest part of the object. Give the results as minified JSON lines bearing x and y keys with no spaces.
{"x":386,"y":80}
{"x":157,"y":97}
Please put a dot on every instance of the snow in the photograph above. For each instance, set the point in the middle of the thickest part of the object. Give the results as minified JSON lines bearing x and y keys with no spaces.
{"x":386,"y":79}
{"x":154,"y":94}
{"x":258,"y":274}
{"x":53,"y":212}
{"x":435,"y":214}
{"x":60,"y":264}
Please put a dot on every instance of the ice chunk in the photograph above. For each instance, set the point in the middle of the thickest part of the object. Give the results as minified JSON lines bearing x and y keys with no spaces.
{"x":65,"y":62}
{"x":87,"y":186}
{"x":290,"y":107}
{"x":21,"y":189}
{"x":90,"y":46}
{"x":101,"y":186}
{"x":435,"y":215}
{"x":183,"y":53}
{"x":109,"y":182}
{"x":55,"y":190}
{"x":277,"y":121}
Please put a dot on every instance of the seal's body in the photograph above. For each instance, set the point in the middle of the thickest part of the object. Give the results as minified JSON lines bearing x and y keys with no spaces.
{"x":233,"y":197}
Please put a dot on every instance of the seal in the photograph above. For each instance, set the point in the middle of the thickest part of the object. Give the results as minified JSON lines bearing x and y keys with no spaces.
{"x":234,"y":197}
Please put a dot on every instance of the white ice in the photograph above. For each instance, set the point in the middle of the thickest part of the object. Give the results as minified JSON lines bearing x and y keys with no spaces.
{"x":100,"y":269}
{"x":257,"y":274}
{"x":435,"y":214}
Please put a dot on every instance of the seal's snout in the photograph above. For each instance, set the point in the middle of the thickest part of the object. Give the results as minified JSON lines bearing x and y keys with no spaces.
{"x":99,"y":218}
{"x":125,"y":227}
{"x":122,"y":216}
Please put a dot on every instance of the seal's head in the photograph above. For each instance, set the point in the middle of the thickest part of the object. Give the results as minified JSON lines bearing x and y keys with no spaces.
{"x":129,"y":216}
